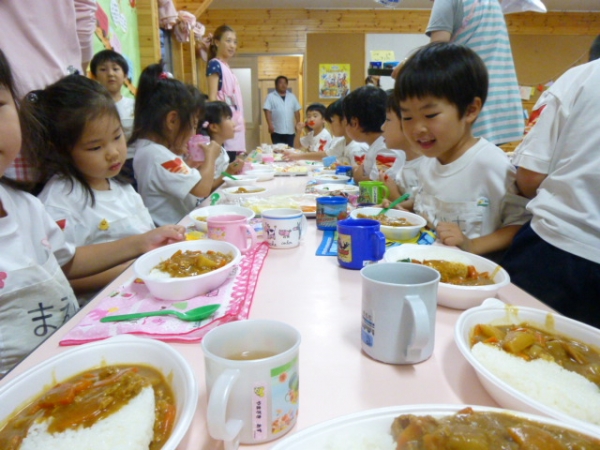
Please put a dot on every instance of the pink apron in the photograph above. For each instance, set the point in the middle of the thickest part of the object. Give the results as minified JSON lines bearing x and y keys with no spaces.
{"x":231,"y":94}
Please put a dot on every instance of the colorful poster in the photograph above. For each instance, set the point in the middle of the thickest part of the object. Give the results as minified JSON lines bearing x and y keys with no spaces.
{"x":116,"y":29}
{"x":334,"y":80}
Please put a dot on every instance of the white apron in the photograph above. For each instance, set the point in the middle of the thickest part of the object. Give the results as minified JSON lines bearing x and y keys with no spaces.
{"x":34,"y":303}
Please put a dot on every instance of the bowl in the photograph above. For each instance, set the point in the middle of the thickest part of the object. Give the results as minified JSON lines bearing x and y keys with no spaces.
{"x":176,"y":289}
{"x":495,"y":312}
{"x":261,"y":174}
{"x":217,"y":210}
{"x":451,"y":295}
{"x":372,"y":426}
{"x":332,"y":179}
{"x":242,"y":180}
{"x":116,"y":350}
{"x":395,"y":233}
{"x":232,"y":193}
{"x":333,"y":189}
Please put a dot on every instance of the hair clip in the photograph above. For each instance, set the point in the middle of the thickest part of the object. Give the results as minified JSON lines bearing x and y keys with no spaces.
{"x":165,"y":76}
{"x":205,"y":124}
{"x":33,"y":97}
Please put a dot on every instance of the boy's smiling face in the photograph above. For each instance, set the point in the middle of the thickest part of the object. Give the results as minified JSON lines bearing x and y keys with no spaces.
{"x":434,"y":126}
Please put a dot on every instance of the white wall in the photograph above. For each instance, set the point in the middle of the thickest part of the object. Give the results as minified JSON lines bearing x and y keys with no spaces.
{"x":401,"y":44}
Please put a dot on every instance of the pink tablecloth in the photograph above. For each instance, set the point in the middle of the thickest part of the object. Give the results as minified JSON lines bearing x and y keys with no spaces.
{"x":235,"y":297}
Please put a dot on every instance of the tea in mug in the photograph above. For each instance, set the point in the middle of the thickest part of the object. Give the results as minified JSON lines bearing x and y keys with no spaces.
{"x":251,"y":355}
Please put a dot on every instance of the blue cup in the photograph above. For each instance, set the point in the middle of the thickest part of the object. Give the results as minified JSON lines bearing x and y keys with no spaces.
{"x":330,"y":210}
{"x":344,"y":170}
{"x":360,"y":243}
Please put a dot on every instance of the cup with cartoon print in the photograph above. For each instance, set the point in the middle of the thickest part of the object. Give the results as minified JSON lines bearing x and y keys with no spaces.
{"x":283,"y":227}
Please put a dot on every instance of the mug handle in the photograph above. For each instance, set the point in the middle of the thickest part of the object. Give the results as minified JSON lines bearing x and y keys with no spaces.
{"x":303,"y":226}
{"x":218,"y":426}
{"x":385,"y":190}
{"x":252,"y":233}
{"x":421,"y":335}
{"x":379,"y":239}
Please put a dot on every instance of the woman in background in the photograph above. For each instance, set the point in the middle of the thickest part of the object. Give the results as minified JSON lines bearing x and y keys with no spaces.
{"x":224,"y":86}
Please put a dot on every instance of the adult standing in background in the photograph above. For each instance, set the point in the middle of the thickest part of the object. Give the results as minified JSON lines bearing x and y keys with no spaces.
{"x":44,"y":41}
{"x":480,"y":25}
{"x":224,"y":86}
{"x":282,"y":111}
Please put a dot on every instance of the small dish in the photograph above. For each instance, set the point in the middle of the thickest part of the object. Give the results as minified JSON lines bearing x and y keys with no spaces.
{"x":237,"y":192}
{"x":404,"y":233}
{"x":241,"y":180}
{"x":333,"y":189}
{"x":451,"y":295}
{"x":261,"y":174}
{"x":332,"y":179}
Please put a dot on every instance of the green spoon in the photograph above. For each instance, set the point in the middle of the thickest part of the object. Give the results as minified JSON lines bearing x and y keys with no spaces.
{"x":394,"y":203}
{"x":228,"y":175}
{"x":193,"y":315}
{"x":214,"y":198}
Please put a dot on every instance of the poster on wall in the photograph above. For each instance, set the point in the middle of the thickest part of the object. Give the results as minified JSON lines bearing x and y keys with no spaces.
{"x":116,"y":29}
{"x":334,"y":80}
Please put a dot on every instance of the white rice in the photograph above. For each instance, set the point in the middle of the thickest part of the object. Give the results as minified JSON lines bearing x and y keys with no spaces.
{"x":130,"y":428}
{"x":544,"y":381}
{"x":361,"y":441}
{"x":156,"y":274}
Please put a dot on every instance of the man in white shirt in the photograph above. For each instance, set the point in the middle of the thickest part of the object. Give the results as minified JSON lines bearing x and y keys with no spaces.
{"x":282,"y":111}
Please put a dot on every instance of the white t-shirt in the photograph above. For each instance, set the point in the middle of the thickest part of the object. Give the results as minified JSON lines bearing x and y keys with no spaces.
{"x":345,"y":152}
{"x":27,"y":232}
{"x":117,"y":213}
{"x":316,"y":143}
{"x":370,"y":162}
{"x":221,"y":162}
{"x":477,"y":191}
{"x":164,"y":182}
{"x":563,"y":143}
{"x":406,"y":173}
{"x":126,"y":107}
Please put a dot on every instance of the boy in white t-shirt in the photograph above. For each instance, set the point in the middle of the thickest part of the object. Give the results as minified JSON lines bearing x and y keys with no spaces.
{"x":467,"y":189}
{"x":364,"y":111}
{"x":318,"y":137}
{"x":341,"y":146}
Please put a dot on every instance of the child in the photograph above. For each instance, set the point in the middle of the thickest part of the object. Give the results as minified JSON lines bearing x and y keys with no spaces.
{"x":167,"y":113}
{"x":364,"y":110}
{"x":467,"y":185}
{"x":403,"y":177}
{"x":219,"y":125}
{"x":79,"y":143}
{"x":318,"y":137}
{"x":341,"y":146}
{"x":35,"y":296}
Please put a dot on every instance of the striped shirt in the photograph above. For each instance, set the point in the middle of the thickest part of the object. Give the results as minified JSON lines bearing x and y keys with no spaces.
{"x":480,"y":25}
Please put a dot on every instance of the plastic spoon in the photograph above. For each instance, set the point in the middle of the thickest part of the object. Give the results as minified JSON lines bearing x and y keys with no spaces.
{"x":214,"y":198}
{"x":193,"y":315}
{"x":394,"y":203}
{"x":225,"y":174}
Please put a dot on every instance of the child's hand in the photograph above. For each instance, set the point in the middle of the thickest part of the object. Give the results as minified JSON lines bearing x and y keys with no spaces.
{"x":212,"y":150}
{"x":299,"y":127}
{"x":167,"y":234}
{"x":235,"y":167}
{"x":290,"y":155}
{"x":449,"y":233}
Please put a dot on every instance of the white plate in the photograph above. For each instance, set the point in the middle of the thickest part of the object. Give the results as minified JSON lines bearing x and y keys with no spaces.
{"x":495,"y":312}
{"x":115,"y":350}
{"x":379,"y":421}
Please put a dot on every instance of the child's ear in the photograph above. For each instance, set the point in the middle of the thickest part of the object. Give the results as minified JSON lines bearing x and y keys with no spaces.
{"x":213,"y":127}
{"x":473,"y":110}
{"x":172,"y":121}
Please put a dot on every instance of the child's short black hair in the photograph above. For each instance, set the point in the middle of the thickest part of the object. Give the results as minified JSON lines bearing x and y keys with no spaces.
{"x":444,"y":70}
{"x":319,"y":107}
{"x":108,"y":55}
{"x":334,"y":109}
{"x":367,"y":104}
{"x":393,"y":104}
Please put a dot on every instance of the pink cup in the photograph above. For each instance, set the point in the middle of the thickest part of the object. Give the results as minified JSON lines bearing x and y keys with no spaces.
{"x":195,"y":150}
{"x":233,"y":228}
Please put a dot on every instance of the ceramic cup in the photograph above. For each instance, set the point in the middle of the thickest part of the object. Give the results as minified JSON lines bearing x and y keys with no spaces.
{"x":399,"y":302}
{"x":330,"y":210}
{"x":372,"y":192}
{"x":283,"y":227}
{"x":360,"y":242}
{"x":233,"y":228}
{"x":252,"y":379}
{"x":195,"y":151}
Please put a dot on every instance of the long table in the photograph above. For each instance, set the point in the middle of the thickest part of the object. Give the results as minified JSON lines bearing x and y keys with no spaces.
{"x":323,"y":301}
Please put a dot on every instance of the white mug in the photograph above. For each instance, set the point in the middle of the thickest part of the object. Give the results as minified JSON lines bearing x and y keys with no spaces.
{"x":399,"y":302}
{"x":253,"y":381}
{"x":283,"y":227}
